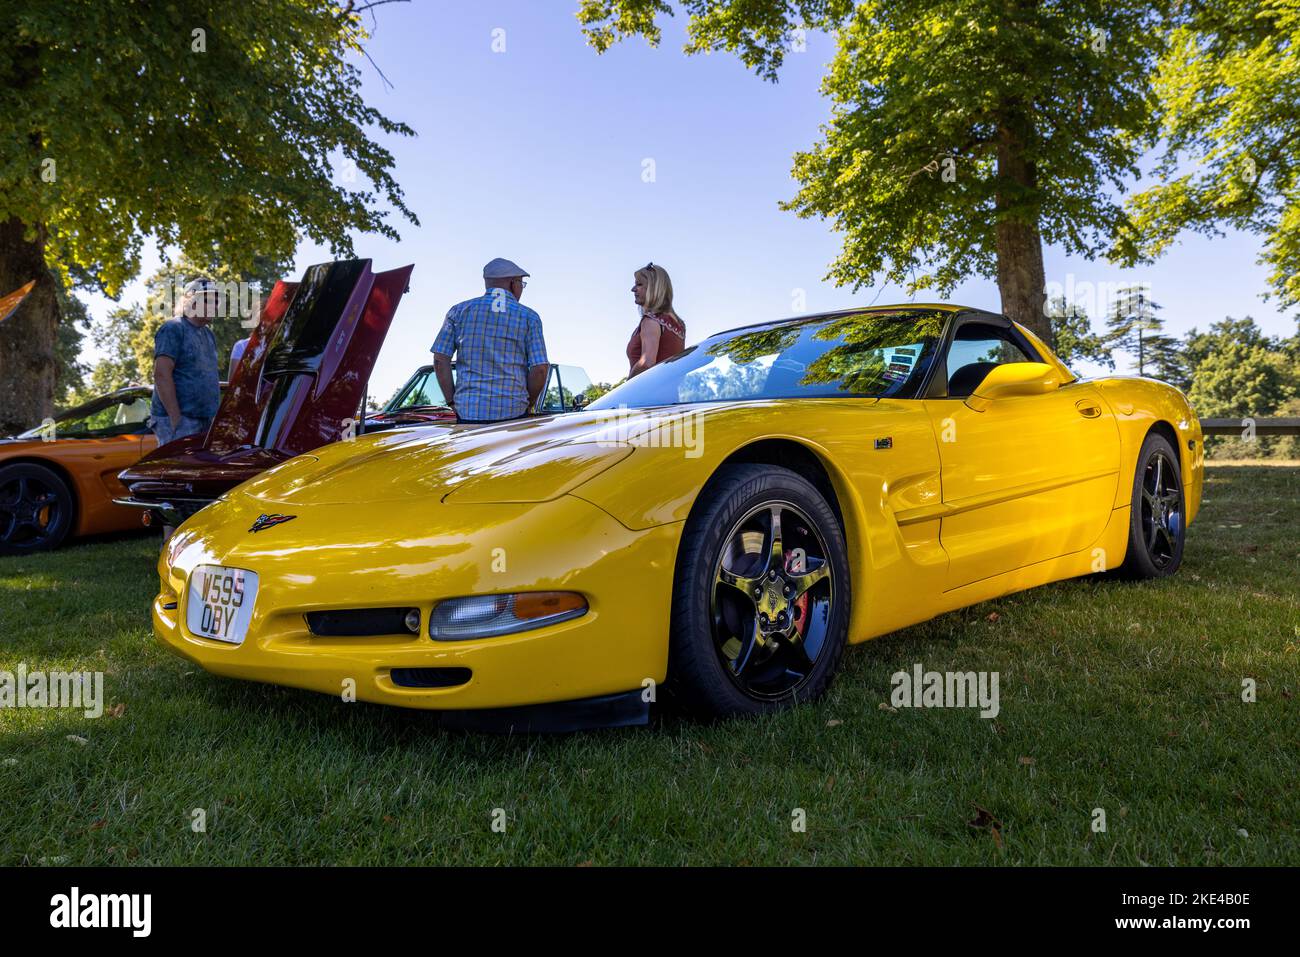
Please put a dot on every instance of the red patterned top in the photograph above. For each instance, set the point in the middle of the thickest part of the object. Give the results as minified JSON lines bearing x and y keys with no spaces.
{"x":672,"y":338}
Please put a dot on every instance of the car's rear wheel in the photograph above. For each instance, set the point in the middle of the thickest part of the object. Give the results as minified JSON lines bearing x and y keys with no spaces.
{"x":1157,"y":517}
{"x":36,"y":509}
{"x":761,"y":603}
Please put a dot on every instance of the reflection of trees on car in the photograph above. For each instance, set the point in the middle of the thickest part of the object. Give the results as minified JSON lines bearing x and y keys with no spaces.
{"x":597,"y":389}
{"x":859,"y":363}
{"x":867,"y":346}
{"x":751,"y":346}
{"x":746,"y":360}
{"x":424,"y":396}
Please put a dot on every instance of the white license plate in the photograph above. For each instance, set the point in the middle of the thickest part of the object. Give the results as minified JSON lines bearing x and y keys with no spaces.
{"x":220,"y":602}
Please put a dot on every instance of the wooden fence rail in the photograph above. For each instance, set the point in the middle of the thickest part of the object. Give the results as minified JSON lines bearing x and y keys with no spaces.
{"x":1241,"y":427}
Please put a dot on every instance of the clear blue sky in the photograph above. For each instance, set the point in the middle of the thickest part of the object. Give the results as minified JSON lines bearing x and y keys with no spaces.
{"x":536,"y":154}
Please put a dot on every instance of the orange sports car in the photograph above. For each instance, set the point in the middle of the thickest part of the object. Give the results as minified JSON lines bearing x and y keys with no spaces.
{"x":60,"y":479}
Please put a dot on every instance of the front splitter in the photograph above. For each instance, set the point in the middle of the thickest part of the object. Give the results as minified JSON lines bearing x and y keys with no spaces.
{"x":625,"y":710}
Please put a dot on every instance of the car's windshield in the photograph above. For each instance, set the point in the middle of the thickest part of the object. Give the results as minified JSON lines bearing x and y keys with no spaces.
{"x":871,"y":354}
{"x":122,"y":414}
{"x":421,"y":391}
{"x":576,"y":382}
{"x":566,"y":389}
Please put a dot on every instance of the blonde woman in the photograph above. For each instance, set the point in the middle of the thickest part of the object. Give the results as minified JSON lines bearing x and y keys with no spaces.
{"x":661,"y":332}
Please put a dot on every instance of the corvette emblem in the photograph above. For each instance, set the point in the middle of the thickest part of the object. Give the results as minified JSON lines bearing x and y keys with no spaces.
{"x":266,"y":521}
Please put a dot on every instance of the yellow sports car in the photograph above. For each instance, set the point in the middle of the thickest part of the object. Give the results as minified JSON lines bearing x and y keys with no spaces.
{"x":722,"y":525}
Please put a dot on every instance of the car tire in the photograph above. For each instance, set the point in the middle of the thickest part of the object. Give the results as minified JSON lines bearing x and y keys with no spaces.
{"x":1157,"y":513}
{"x":36,"y":509}
{"x":755,"y":649}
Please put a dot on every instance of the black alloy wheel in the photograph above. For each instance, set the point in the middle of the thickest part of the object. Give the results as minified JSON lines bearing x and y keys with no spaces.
{"x":1157,"y":520}
{"x":36,"y":509}
{"x":760,"y":609}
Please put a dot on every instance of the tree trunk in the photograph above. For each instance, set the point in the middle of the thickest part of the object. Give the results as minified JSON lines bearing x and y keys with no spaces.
{"x":1021,"y":279}
{"x":27,"y":365}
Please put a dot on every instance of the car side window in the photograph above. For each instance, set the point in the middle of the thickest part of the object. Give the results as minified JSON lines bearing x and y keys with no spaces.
{"x":976,"y":350}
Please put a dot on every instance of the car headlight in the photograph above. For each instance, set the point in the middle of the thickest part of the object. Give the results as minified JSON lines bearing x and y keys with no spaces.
{"x":486,"y":616}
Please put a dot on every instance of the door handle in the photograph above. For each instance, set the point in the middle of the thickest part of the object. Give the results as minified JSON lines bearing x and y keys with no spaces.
{"x":1088,"y":409}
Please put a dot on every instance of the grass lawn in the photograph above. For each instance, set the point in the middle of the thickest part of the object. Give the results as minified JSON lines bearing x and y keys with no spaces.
{"x":1124,"y":697}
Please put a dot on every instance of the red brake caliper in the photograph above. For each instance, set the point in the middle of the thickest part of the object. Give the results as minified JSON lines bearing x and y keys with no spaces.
{"x":796,"y":563}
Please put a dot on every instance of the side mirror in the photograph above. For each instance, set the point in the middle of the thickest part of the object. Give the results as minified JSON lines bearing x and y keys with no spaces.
{"x":1013,"y":379}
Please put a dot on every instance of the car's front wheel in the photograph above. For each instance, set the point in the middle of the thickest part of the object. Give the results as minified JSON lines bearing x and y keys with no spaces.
{"x":36,"y":508}
{"x":761,"y":603}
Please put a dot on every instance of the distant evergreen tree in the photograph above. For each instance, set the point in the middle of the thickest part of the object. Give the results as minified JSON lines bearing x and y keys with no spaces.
{"x":1134,"y":328}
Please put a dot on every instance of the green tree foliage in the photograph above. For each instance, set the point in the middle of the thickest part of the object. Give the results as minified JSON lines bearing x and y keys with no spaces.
{"x":224,"y":129}
{"x":962,"y":135}
{"x":1288,"y":446}
{"x":1241,"y":381}
{"x":597,"y":389}
{"x":70,"y":378}
{"x":114,"y":337}
{"x":1228,"y":333}
{"x":1074,"y":340}
{"x":1238,"y":371}
{"x":1229,"y":85}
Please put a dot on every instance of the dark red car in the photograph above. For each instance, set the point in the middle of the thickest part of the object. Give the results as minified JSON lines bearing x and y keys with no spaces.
{"x":299,"y":386}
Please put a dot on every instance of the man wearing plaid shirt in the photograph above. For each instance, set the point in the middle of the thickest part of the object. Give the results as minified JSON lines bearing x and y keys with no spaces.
{"x":501,"y":364}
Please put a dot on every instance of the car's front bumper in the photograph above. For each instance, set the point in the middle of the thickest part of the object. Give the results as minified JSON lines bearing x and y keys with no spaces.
{"x":334,"y":557}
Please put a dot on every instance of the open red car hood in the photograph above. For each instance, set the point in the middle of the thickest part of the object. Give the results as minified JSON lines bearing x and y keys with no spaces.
{"x":297,"y":388}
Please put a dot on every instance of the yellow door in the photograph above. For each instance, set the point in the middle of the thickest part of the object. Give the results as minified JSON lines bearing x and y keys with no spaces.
{"x":1029,"y":478}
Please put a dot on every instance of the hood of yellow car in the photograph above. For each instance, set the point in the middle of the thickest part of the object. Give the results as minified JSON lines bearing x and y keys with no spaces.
{"x":528,"y":460}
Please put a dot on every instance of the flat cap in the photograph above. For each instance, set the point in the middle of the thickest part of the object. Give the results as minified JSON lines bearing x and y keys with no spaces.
{"x":502,"y":269}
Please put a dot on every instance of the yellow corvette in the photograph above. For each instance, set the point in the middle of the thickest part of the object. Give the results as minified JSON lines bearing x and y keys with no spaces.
{"x":726,"y":522}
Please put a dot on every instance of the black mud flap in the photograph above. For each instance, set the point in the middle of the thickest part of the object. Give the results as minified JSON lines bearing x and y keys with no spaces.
{"x":623,"y":710}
